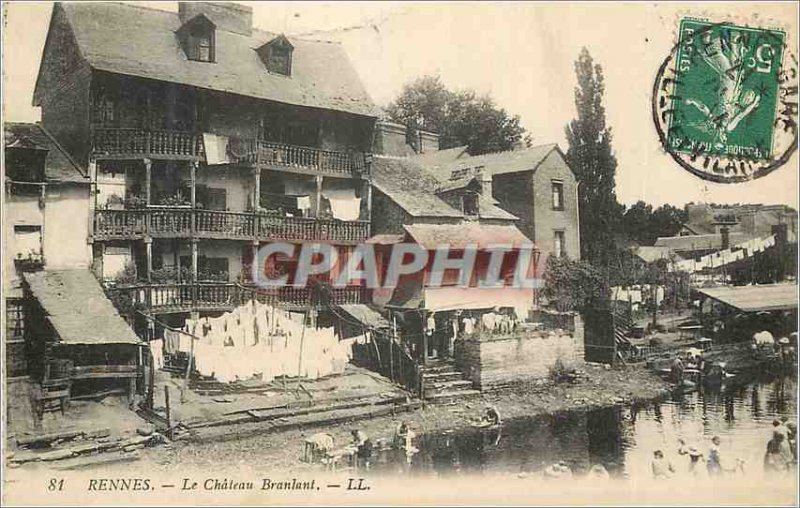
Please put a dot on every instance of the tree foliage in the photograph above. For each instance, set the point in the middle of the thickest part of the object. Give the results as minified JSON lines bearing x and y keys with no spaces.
{"x":644,"y":224}
{"x":571,"y":285}
{"x":459,"y":117}
{"x":591,"y":158}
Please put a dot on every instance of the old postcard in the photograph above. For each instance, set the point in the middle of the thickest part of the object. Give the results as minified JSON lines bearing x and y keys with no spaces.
{"x":399,"y":253}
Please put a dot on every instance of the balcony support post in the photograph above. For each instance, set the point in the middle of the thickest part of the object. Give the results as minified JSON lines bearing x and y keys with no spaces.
{"x":193,"y":176}
{"x":256,"y":189}
{"x":148,"y":179}
{"x":255,"y":271}
{"x":194,"y":259}
{"x":92,"y":167}
{"x":148,"y":245}
{"x":318,"y":202}
{"x":194,"y":271}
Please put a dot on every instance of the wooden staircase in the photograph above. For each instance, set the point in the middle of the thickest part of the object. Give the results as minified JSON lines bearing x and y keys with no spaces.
{"x":443,"y":383}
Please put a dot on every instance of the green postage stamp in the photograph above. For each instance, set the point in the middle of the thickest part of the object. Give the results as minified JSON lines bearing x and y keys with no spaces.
{"x":728,"y":85}
{"x":724,"y":100}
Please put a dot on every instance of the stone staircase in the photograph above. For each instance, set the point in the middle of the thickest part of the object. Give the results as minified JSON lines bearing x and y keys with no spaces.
{"x":444,"y":383}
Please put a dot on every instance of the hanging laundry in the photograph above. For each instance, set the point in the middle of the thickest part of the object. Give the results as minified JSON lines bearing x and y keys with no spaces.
{"x":216,"y":148}
{"x":157,"y":349}
{"x":344,"y":203}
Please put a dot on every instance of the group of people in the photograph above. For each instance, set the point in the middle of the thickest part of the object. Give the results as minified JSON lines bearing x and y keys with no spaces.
{"x":781,"y":454}
{"x":442,"y":332}
{"x":663,"y":468}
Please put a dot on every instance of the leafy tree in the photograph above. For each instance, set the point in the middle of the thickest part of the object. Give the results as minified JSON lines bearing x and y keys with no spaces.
{"x":459,"y":117}
{"x":571,"y":285}
{"x":644,"y":224}
{"x":591,"y":158}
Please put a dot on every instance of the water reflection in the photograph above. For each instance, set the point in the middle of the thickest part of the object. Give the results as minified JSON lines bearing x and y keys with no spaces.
{"x":621,"y":439}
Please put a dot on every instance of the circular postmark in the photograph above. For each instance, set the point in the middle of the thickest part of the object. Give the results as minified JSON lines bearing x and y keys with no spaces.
{"x":725,"y":101}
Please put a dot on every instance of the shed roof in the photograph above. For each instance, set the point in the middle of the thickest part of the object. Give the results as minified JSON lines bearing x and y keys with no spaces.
{"x":650,"y":254}
{"x":78,"y":309}
{"x":460,"y":236}
{"x":140,"y":41}
{"x":366,"y":315}
{"x":58,"y":165}
{"x":756,"y":298}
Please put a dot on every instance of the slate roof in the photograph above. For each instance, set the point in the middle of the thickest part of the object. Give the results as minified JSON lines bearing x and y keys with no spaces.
{"x":413,"y":188}
{"x":459,"y":236}
{"x":756,"y":298}
{"x":58,"y":166}
{"x":78,"y":309}
{"x":141,"y":41}
{"x":495,"y":163}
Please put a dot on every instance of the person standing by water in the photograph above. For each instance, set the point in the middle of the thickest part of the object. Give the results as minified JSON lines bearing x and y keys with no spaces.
{"x":695,"y":459}
{"x":714,"y":462}
{"x":779,"y":457}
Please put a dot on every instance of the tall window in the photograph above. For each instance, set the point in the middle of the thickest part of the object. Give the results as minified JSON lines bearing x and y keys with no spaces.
{"x":558,"y":195}
{"x":559,"y":245}
{"x":204,"y":47}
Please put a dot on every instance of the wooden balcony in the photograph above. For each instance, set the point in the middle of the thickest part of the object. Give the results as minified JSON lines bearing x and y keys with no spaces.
{"x":179,"y":222}
{"x":223,"y":296}
{"x":275,"y":227}
{"x":116,"y":143}
{"x":299,"y":159}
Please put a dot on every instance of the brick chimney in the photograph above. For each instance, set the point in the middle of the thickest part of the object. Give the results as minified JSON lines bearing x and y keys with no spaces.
{"x":228,"y":16}
{"x":390,"y":139}
{"x":427,"y":141}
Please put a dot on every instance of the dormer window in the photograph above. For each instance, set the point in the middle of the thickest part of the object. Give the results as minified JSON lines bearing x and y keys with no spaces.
{"x":469,"y":202}
{"x":277,"y":55}
{"x":197,"y":38}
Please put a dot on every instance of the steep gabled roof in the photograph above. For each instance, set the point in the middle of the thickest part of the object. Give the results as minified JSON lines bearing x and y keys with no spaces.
{"x":58,"y":165}
{"x":142,"y":42}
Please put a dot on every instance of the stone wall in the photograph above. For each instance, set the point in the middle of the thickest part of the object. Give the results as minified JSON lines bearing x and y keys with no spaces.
{"x":492,"y":362}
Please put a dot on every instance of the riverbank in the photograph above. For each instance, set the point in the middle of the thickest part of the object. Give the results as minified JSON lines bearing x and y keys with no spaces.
{"x":596,"y":386}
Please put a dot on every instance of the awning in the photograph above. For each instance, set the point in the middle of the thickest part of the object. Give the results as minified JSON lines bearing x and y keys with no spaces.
{"x":78,"y":309}
{"x":460,"y":236}
{"x":365,"y":315}
{"x":766,"y":297}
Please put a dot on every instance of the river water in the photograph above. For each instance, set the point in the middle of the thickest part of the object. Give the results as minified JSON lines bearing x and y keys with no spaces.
{"x":622,"y":439}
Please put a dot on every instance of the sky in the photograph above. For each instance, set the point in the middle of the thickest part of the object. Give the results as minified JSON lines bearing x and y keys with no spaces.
{"x":522,"y":54}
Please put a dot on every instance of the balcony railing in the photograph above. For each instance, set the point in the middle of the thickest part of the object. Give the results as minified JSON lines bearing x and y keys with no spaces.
{"x":176,"y":222}
{"x":139,"y":143}
{"x":280,"y":155}
{"x":218,"y":296}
